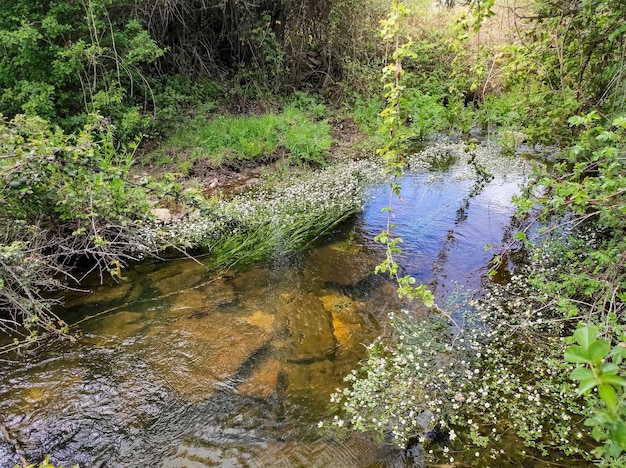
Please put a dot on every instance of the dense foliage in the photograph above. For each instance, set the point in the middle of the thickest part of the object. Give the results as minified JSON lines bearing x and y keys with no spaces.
{"x":64,"y":60}
{"x":62,"y":198}
{"x":135,"y":62}
{"x":82,"y":81}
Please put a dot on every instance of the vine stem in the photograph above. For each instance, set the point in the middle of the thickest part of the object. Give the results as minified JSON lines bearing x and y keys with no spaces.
{"x":393,"y":155}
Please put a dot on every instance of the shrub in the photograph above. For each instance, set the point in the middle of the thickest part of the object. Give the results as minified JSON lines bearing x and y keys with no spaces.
{"x":62,"y":198}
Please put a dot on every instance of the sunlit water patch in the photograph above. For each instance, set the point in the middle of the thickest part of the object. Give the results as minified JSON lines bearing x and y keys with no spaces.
{"x":182,"y":368}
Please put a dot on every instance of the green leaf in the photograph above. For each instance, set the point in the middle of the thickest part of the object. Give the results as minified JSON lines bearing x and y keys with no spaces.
{"x":614,"y":380}
{"x":581,"y":373}
{"x":594,"y":421}
{"x":577,"y":354}
{"x":428,"y":299}
{"x":598,"y":433}
{"x":598,"y":350}
{"x":586,"y":385}
{"x":619,"y":434}
{"x":585,"y":336}
{"x":609,"y":368}
{"x":613,"y":449}
{"x":609,"y":397}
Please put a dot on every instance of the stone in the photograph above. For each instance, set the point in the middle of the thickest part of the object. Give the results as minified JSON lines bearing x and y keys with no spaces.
{"x":344,"y":307}
{"x":108,"y":293}
{"x":264,"y":380}
{"x":262,"y":320}
{"x":313,"y":382}
{"x":347,"y":320}
{"x":309,"y":329}
{"x":341,"y":266}
{"x":287,"y":297}
{"x":162,"y":214}
{"x":177,"y":275}
{"x":212,"y":296}
{"x":116,"y":327}
{"x":198,"y":355}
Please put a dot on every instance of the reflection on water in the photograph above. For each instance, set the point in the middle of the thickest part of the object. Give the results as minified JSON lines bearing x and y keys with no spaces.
{"x":191,"y":369}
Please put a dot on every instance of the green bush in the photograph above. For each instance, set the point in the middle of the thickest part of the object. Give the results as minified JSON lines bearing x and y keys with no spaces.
{"x":62,"y":198}
{"x":63,"y":60}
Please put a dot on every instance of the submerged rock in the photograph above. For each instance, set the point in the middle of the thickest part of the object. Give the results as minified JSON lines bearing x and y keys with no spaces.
{"x":116,"y":326}
{"x":117,"y":292}
{"x":345,"y":266}
{"x":198,"y":355}
{"x":213,"y":295}
{"x":260,"y":319}
{"x":264,"y":380}
{"x":309,"y":328}
{"x":346,"y":319}
{"x":177,"y":275}
{"x":312,"y":383}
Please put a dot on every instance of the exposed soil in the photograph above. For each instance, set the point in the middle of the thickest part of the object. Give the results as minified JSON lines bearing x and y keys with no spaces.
{"x":348,"y":140}
{"x":233,"y":177}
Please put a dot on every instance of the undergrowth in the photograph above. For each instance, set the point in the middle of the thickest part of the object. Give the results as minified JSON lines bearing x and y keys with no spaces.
{"x":295,"y":133}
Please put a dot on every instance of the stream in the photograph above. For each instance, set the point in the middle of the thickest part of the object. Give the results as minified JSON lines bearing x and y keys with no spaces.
{"x":180,"y":367}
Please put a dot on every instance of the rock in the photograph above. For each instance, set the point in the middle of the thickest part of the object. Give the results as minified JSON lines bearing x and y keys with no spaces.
{"x":177,"y":275}
{"x":343,"y":307}
{"x":287,"y":297}
{"x":210,"y":297}
{"x":198,"y":355}
{"x":341,"y":266}
{"x":108,"y":293}
{"x":254,"y":284}
{"x":260,"y":319}
{"x":345,"y":246}
{"x":264,"y":380}
{"x":162,"y":214}
{"x":189,"y":301}
{"x":178,"y":282}
{"x":309,"y":328}
{"x":117,"y":326}
{"x":312,"y":383}
{"x":346,"y":334}
{"x":348,"y":323}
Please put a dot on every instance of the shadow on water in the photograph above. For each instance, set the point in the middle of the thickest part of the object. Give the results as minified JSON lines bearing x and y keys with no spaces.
{"x":190,"y":369}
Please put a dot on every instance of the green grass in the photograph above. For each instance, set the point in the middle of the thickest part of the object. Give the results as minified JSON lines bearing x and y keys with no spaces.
{"x":253,"y":138}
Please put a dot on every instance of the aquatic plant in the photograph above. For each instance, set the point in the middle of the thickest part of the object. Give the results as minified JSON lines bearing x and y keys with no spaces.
{"x":462,"y":383}
{"x":278,"y":217}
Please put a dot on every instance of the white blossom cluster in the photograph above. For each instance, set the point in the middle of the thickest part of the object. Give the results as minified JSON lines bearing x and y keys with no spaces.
{"x":487,"y":154}
{"x":307,"y":202}
{"x":504,"y":365}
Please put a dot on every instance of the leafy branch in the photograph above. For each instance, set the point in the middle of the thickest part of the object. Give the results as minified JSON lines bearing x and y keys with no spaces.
{"x":392,"y":152}
{"x":598,"y":368}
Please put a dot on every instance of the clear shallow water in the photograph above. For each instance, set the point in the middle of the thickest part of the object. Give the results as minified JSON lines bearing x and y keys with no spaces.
{"x":182,"y":368}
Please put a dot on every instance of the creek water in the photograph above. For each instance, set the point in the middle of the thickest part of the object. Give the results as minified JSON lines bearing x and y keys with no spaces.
{"x":180,"y":367}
